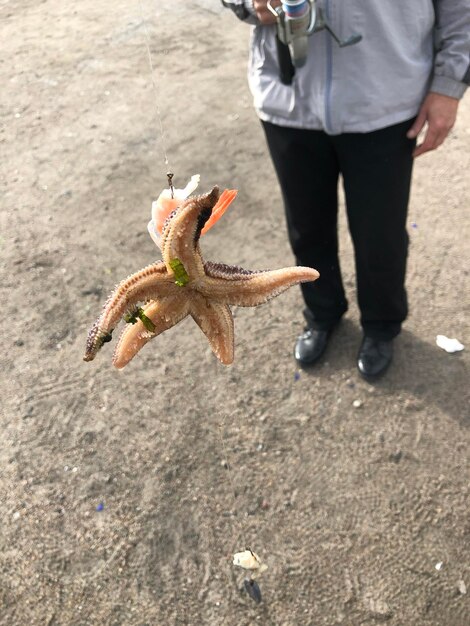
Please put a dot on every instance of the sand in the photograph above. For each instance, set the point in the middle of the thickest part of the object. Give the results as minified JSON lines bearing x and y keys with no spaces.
{"x":123,"y":495}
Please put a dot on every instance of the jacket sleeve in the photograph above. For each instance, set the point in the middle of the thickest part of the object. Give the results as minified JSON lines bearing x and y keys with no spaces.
{"x":452,"y":40}
{"x":243,"y":9}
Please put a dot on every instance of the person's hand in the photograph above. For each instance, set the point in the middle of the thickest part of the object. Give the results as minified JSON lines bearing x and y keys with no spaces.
{"x":263,"y":13}
{"x":439,"y":113}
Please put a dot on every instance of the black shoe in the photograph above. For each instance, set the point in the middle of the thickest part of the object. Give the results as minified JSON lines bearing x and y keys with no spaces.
{"x":375,"y":355}
{"x":311,"y":345}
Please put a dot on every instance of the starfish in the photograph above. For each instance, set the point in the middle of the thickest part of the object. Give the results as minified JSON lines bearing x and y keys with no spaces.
{"x":183,"y":284}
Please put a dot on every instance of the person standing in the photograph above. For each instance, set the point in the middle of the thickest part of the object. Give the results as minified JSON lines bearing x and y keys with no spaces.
{"x":357,"y":112}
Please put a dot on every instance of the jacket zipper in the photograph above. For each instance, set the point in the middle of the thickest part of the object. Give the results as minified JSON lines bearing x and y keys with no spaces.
{"x":329,"y":73}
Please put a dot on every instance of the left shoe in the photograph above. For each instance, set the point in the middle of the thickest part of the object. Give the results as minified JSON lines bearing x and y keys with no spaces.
{"x":374,"y":358}
{"x":310,"y":346}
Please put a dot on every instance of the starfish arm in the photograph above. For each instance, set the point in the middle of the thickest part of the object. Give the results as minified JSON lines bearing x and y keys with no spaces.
{"x":216,"y":322}
{"x":239,"y":287}
{"x":163,"y":314}
{"x":149,"y":283}
{"x":181,"y":232}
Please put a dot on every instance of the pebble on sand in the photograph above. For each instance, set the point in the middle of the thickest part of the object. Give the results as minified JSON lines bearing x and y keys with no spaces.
{"x":449,"y":345}
{"x":462,"y":587}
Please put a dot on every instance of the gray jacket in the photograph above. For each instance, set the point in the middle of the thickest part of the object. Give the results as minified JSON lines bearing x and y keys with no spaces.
{"x":409,"y":47}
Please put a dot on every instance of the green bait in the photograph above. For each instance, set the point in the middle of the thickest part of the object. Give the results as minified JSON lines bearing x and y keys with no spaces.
{"x":181,"y":275}
{"x":138,"y":314}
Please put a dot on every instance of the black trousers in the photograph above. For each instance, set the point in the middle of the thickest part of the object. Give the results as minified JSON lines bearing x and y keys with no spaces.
{"x":376,"y":169}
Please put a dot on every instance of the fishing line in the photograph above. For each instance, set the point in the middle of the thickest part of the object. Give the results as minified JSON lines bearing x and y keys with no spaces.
{"x":170,"y":176}
{"x":154,"y":84}
{"x":236,"y":524}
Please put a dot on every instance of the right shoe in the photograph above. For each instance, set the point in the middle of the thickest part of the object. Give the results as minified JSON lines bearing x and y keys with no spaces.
{"x":374,"y":358}
{"x":311,"y":345}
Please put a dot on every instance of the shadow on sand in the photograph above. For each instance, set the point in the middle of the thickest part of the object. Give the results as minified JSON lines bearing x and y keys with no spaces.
{"x":419,"y":369}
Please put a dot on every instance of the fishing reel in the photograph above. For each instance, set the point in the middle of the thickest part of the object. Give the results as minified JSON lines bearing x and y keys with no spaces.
{"x":296,"y":20}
